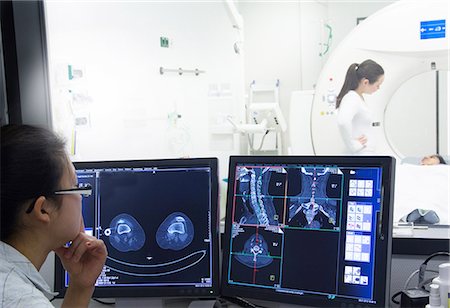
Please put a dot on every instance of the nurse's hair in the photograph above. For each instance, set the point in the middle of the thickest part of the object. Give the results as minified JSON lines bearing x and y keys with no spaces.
{"x":440,"y":158}
{"x":368,"y":69}
{"x":33,"y":160}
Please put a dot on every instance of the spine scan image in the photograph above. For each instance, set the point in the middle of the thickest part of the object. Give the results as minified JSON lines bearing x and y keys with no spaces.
{"x":258,"y":206}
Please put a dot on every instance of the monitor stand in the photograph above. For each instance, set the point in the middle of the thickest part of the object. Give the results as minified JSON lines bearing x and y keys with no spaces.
{"x":137,"y":302}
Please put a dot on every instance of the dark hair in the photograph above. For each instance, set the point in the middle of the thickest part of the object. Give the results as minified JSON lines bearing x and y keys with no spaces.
{"x":32,"y":164}
{"x":368,"y":69}
{"x":440,"y":158}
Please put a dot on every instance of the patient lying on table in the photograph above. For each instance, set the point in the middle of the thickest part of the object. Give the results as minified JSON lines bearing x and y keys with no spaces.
{"x":434,"y":159}
{"x":422,"y":192}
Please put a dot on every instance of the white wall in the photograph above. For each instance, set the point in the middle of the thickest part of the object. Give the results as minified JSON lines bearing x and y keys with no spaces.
{"x":272,"y":45}
{"x":116,"y":44}
{"x":314,"y":41}
{"x":342,"y":15}
{"x":130,"y":110}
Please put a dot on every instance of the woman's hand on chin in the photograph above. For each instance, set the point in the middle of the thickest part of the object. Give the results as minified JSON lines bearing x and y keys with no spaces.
{"x":83,"y":259}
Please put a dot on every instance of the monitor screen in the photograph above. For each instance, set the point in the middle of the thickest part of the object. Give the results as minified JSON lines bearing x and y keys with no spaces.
{"x":309,"y":230}
{"x":159,"y":222}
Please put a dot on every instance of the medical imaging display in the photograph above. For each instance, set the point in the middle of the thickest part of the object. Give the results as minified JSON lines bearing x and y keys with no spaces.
{"x":302,"y":229}
{"x":156,"y":224}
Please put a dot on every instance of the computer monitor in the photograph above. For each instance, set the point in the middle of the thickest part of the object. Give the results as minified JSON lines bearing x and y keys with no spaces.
{"x":159,"y":221}
{"x":309,"y":230}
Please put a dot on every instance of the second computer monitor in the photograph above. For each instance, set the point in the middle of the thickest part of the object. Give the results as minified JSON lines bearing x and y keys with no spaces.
{"x":309,"y":230}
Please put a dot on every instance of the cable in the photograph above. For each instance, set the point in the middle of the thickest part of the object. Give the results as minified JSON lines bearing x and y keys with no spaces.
{"x":423,"y":266}
{"x":251,"y":141}
{"x":412,"y":275}
{"x":239,"y":301}
{"x":405,"y":287}
{"x":95,"y":299}
{"x":104,"y":303}
{"x":394,"y":296}
{"x":262,"y":141}
{"x":421,"y":271}
{"x":328,"y":43}
{"x":409,"y":279}
{"x":407,"y":283}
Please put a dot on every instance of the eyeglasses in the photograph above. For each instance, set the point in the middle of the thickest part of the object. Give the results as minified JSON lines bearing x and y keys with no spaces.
{"x":84,"y":189}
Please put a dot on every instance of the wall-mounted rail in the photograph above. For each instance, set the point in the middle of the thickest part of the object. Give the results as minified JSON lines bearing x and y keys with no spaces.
{"x":180,"y":71}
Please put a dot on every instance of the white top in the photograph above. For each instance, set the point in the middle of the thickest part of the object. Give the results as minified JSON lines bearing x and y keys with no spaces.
{"x":21,"y":285}
{"x":354,"y":120}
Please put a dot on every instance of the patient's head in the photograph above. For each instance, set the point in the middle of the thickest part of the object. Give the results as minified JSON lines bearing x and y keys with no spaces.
{"x":434,"y":159}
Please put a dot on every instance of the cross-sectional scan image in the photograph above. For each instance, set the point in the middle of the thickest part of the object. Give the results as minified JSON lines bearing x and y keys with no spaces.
{"x":255,"y":253}
{"x":313,"y":208}
{"x":125,"y":233}
{"x":175,"y":232}
{"x":259,"y":201}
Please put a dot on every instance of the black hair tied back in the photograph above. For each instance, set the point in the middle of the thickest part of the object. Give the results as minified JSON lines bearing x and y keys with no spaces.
{"x":32,"y":164}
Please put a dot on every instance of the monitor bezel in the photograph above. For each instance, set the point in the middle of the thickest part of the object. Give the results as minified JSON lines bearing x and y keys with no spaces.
{"x":383,"y":246}
{"x":166,"y":291}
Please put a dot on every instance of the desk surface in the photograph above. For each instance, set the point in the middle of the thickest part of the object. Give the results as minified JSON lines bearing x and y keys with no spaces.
{"x":422,"y":232}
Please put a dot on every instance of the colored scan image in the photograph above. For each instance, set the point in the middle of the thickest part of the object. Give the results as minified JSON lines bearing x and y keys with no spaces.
{"x":257,"y":204}
{"x":255,"y":253}
{"x":256,"y":256}
{"x":313,"y":208}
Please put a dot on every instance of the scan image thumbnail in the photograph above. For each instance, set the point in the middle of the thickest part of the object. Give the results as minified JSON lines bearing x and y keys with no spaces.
{"x":125,"y":233}
{"x":312,"y":208}
{"x":258,"y":207}
{"x":255,"y":253}
{"x":175,"y":232}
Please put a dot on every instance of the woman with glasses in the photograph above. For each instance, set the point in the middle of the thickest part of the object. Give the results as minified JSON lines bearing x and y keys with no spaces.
{"x":40,"y":213}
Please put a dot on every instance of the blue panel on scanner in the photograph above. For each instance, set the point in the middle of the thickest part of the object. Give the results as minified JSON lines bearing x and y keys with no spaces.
{"x":432,"y":29}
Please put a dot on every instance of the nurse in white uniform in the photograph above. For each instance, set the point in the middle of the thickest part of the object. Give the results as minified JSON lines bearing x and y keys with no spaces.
{"x":354,"y":116}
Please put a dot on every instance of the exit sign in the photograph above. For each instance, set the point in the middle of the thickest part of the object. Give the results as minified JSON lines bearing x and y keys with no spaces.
{"x":164,"y":42}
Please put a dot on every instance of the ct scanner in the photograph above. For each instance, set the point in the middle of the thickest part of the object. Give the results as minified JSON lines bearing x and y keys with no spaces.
{"x":408,"y":38}
{"x":396,"y":37}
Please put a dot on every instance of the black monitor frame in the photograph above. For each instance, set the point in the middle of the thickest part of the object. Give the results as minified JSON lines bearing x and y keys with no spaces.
{"x":165,"y":291}
{"x":382,"y":263}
